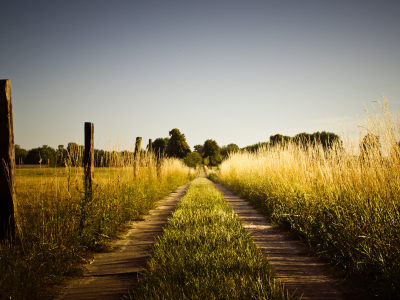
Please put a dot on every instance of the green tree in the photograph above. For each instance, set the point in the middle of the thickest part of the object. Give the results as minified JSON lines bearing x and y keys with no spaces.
{"x":62,"y":154}
{"x":193,"y":159}
{"x":177,"y":146}
{"x":20,"y":154}
{"x":199,"y":149}
{"x":276,"y":139}
{"x":255,"y":147}
{"x":225,"y":150}
{"x":45,"y":154}
{"x":326,"y":139}
{"x":160,"y":146}
{"x":212,"y":151}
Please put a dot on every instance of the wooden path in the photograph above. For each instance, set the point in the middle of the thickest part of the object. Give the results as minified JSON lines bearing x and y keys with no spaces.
{"x":112,"y":275}
{"x":303,"y":274}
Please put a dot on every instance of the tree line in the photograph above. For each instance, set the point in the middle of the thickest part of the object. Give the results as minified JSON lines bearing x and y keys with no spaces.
{"x":209,"y":153}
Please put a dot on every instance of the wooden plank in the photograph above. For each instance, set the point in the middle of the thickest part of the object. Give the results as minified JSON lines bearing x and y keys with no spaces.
{"x":302,"y":273}
{"x":112,"y":275}
{"x":7,"y":162}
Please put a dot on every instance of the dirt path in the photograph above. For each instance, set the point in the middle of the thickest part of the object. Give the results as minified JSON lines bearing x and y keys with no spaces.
{"x":291,"y":261}
{"x":112,"y":275}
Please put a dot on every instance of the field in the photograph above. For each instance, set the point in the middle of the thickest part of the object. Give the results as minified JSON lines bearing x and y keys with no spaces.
{"x":58,"y":228}
{"x":343,"y":202}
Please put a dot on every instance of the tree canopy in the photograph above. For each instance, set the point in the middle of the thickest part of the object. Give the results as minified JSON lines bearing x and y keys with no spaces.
{"x":20,"y":154}
{"x":212,"y":151}
{"x":326,"y":139}
{"x":225,"y":150}
{"x":160,"y":146}
{"x":193,"y":159}
{"x":177,"y":146}
{"x":279,"y":139}
{"x":255,"y":147}
{"x":43,"y":155}
{"x":199,"y":149}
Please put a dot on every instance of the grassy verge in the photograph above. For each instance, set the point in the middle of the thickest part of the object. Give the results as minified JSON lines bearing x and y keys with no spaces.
{"x":205,"y":253}
{"x":57,"y":228}
{"x":346,"y":206}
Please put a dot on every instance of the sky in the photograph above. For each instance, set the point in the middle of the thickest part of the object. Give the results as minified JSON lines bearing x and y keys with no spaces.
{"x":232,"y":71}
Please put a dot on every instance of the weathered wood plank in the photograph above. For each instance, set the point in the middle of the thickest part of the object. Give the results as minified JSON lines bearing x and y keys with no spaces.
{"x":112,"y":275}
{"x":302,"y":274}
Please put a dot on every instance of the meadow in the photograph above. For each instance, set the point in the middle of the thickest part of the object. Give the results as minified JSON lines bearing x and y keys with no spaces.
{"x":343,"y":201}
{"x":205,"y":253}
{"x":58,"y":229}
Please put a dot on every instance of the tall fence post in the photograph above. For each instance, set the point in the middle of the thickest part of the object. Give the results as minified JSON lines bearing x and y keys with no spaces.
{"x":149,"y":159}
{"x":88,"y":159}
{"x":7,"y":163}
{"x":138,"y":147}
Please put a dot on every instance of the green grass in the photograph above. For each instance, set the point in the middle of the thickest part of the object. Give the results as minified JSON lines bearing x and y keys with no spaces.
{"x":57,"y":229}
{"x":205,"y":253}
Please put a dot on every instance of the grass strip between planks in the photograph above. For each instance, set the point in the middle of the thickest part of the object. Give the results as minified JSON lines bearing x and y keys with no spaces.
{"x":205,"y":253}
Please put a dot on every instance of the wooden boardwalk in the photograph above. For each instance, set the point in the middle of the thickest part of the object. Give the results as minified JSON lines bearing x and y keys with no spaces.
{"x":303,"y":274}
{"x":112,"y":275}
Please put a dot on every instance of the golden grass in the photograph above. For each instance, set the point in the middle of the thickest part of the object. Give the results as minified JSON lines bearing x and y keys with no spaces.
{"x":344,"y":202}
{"x":57,"y":225}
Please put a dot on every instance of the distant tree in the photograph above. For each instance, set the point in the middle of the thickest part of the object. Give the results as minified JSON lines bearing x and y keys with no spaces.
{"x":20,"y":154}
{"x":177,"y":146}
{"x":75,"y":153}
{"x":255,"y":147}
{"x":99,"y":158}
{"x":212,"y":151}
{"x":206,"y":161}
{"x":160,"y":146}
{"x":199,"y":149}
{"x":44,"y":153}
{"x":278,"y":139}
{"x":225,"y":150}
{"x":326,"y":139}
{"x":370,"y":146}
{"x":193,"y":159}
{"x":62,"y":154}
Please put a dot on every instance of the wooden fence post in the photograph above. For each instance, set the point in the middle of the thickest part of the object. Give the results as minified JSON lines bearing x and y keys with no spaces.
{"x":88,"y":160}
{"x":138,"y":147}
{"x":150,"y":149}
{"x":7,"y":162}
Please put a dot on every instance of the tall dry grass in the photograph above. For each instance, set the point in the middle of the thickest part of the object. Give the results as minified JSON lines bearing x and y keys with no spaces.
{"x":58,"y":228}
{"x":345,"y":202}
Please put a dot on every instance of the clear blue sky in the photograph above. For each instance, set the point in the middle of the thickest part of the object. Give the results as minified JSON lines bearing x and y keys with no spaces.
{"x":232,"y":71}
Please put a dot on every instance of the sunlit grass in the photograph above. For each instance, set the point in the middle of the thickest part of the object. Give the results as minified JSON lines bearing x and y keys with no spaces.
{"x":57,"y":227}
{"x":346,"y":206}
{"x":205,"y":253}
